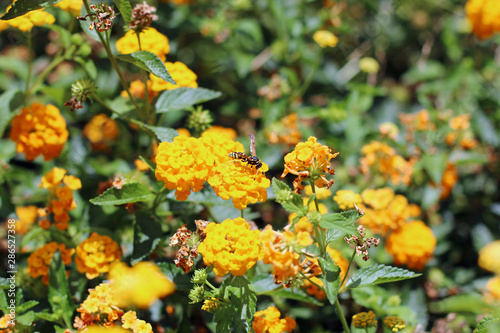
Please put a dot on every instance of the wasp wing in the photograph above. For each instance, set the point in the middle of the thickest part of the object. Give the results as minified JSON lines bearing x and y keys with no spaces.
{"x":252,"y":145}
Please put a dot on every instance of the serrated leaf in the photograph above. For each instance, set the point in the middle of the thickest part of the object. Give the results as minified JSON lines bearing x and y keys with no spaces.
{"x":183,"y":98}
{"x":488,"y":324}
{"x":21,"y":7}
{"x":331,"y":278}
{"x":295,"y":204}
{"x":26,"y":306}
{"x":125,"y":9}
{"x":26,"y":318}
{"x":132,"y":192}
{"x":224,"y":318}
{"x":377,"y":274}
{"x":149,"y":62}
{"x":435,"y":164}
{"x":147,"y":235}
{"x":47,"y":316}
{"x":242,"y":294}
{"x":163,"y":133}
{"x":59,"y":296}
{"x":339,"y":222}
{"x":468,"y":303}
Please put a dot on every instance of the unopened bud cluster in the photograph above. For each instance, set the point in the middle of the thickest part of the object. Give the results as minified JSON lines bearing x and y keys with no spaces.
{"x":142,"y":16}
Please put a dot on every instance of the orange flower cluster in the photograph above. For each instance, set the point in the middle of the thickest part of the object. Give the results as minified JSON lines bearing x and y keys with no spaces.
{"x":129,"y":320}
{"x":412,"y":244}
{"x":450,"y":178}
{"x":460,"y":132}
{"x":61,"y":187}
{"x":182,"y":75}
{"x":286,"y":131}
{"x":340,"y":261}
{"x":230,"y":246}
{"x":346,"y":199}
{"x":101,"y":131}
{"x":310,"y":161}
{"x":39,"y":130}
{"x":151,"y":40}
{"x":419,"y":121}
{"x":73,"y":7}
{"x":283,"y":251}
{"x":386,"y":211}
{"x":95,"y":255}
{"x":268,"y":321}
{"x":6,"y":326}
{"x":138,"y":90}
{"x":382,"y":158}
{"x":139,"y":285}
{"x":27,"y":217}
{"x":39,"y":260}
{"x":483,"y":15}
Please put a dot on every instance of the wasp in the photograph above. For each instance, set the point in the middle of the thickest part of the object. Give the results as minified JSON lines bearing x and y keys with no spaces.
{"x":252,"y":160}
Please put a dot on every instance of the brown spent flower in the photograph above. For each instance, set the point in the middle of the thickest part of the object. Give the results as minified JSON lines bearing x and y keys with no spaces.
{"x":142,"y":16}
{"x":362,"y":243}
{"x":101,"y":18}
{"x":188,"y":244}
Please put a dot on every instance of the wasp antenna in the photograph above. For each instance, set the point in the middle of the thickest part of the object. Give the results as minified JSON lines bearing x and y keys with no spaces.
{"x":252,"y":145}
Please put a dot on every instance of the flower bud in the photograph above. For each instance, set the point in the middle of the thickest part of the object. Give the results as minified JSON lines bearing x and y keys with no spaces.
{"x":200,"y":276}
{"x":196,"y":294}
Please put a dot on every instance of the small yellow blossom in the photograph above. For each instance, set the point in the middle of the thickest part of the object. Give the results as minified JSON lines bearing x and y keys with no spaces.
{"x":74,"y":7}
{"x":34,"y":18}
{"x":369,"y":65}
{"x":493,"y":287}
{"x":39,"y":260}
{"x":346,"y":199}
{"x":220,"y":130}
{"x":394,"y":323}
{"x":139,"y":285}
{"x":151,"y":40}
{"x":325,"y":38}
{"x":483,"y":15}
{"x":27,"y":217}
{"x":138,"y":90}
{"x":268,"y":321}
{"x":95,"y":255}
{"x":101,"y":132}
{"x":39,"y":130}
{"x":321,"y":193}
{"x":230,"y":247}
{"x":412,"y":245}
{"x":310,"y":161}
{"x":210,"y":305}
{"x":180,"y":73}
{"x":364,"y":320}
{"x":489,"y":257}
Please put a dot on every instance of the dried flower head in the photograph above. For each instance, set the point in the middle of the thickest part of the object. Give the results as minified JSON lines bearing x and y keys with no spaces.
{"x":142,"y":16}
{"x":362,"y":243}
{"x":188,"y":244}
{"x":81,"y":90}
{"x":102,"y":17}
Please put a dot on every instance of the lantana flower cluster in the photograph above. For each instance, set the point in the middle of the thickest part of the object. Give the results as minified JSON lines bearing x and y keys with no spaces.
{"x":61,"y":187}
{"x":151,"y":40}
{"x":39,"y":130}
{"x":101,"y":132}
{"x":483,"y":15}
{"x":269,"y":321}
{"x":95,"y":255}
{"x":39,"y":260}
{"x":489,"y":259}
{"x":31,"y":19}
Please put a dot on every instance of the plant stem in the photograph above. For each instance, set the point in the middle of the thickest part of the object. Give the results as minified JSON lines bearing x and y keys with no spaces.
{"x":41,"y":77}
{"x":348,"y":267}
{"x":242,"y":214}
{"x":28,"y":79}
{"x":210,"y":285}
{"x":341,"y":315}
{"x":320,"y":236}
{"x":145,"y":79}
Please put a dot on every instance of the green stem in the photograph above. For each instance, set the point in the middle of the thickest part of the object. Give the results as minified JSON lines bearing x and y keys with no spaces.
{"x":210,"y":285}
{"x":41,"y":77}
{"x":320,"y":235}
{"x":242,"y":214}
{"x":28,"y":79}
{"x":145,"y":79}
{"x":309,"y":78}
{"x":341,"y":315}
{"x":348,"y":268}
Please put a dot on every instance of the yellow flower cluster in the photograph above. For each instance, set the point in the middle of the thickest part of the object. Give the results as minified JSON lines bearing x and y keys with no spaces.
{"x":187,"y":162}
{"x":139,"y":285}
{"x":138,"y":90}
{"x":73,"y":7}
{"x":39,"y":260}
{"x":364,"y":319}
{"x":412,"y":244}
{"x":489,"y":257}
{"x":394,"y":323}
{"x":286,"y":131}
{"x":129,"y":320}
{"x":310,"y":160}
{"x":382,"y":158}
{"x":483,"y":15}
{"x":346,"y":199}
{"x":39,"y":129}
{"x":460,"y":132}
{"x":230,"y":247}
{"x":95,"y":255}
{"x":220,"y":130}
{"x":61,"y":187}
{"x":268,"y":321}
{"x":101,"y":131}
{"x":241,"y":182}
{"x":99,"y":308}
{"x":27,"y":217}
{"x":386,"y":211}
{"x":325,"y":38}
{"x":340,"y":261}
{"x":34,"y":18}
{"x":182,"y":75}
{"x":419,"y":121}
{"x":493,"y":287}
{"x":151,"y":40}
{"x":281,"y":250}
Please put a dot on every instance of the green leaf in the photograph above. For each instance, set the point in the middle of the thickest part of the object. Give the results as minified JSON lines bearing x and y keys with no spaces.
{"x":149,"y":62}
{"x":295,"y":204}
{"x":435,"y":164}
{"x":120,"y":105}
{"x":147,"y":235}
{"x":132,"y":192}
{"x":64,"y":35}
{"x":26,"y":306}
{"x":224,"y":318}
{"x":60,"y":298}
{"x":338,"y":221}
{"x":9,"y":101}
{"x":151,"y":164}
{"x":125,"y":9}
{"x":183,"y":98}
{"x":163,"y":133}
{"x":489,"y":324}
{"x":468,"y":303}
{"x":244,"y":298}
{"x":3,"y":301}
{"x":26,"y":319}
{"x":21,"y":7}
{"x":377,"y":274}
{"x":88,"y":65}
{"x":264,"y":285}
{"x":47,"y":316}
{"x":330,"y":277}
